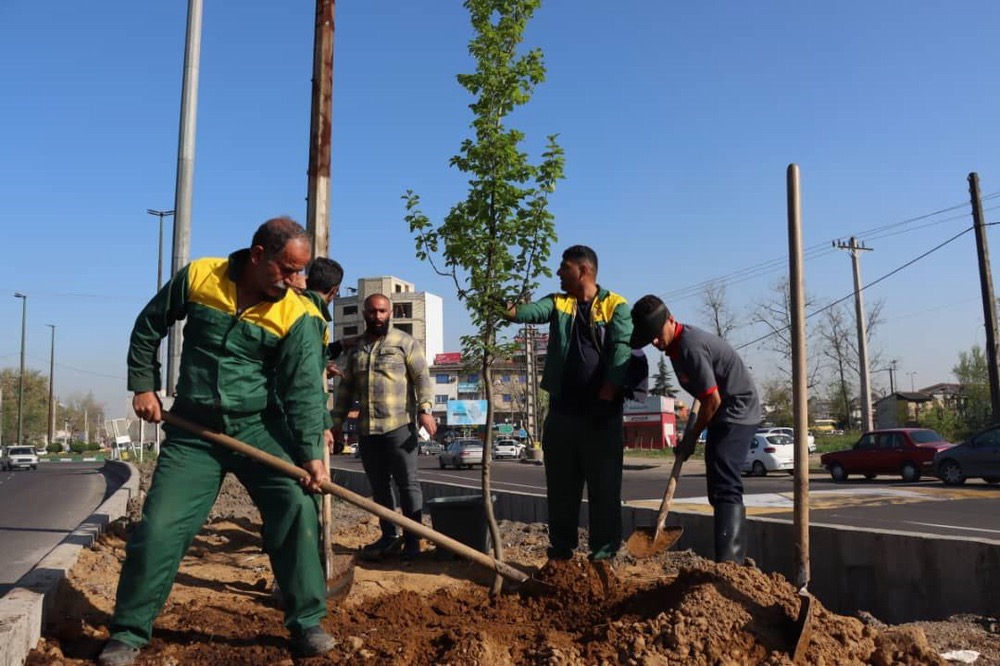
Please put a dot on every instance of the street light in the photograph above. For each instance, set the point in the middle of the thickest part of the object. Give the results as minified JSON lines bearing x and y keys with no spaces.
{"x":52,"y":383}
{"x":912,"y":375}
{"x":20,"y":380}
{"x":159,"y":256}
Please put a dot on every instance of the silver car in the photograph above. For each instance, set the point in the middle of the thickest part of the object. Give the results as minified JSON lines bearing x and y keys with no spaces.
{"x":507,"y":448}
{"x":462,"y":453}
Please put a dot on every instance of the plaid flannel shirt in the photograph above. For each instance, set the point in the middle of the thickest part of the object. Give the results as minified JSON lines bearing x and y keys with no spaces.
{"x":389,"y":377}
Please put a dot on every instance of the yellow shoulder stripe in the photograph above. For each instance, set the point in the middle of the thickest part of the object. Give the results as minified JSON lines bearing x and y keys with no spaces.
{"x":209,"y":285}
{"x":607,"y":307}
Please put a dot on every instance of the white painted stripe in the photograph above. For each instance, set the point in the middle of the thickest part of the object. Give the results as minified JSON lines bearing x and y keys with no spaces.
{"x":956,"y":527}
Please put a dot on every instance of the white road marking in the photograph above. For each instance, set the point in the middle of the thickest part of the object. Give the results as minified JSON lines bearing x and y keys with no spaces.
{"x":956,"y":527}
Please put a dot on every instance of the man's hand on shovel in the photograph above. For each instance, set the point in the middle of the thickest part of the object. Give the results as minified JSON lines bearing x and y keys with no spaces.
{"x":318,"y":475}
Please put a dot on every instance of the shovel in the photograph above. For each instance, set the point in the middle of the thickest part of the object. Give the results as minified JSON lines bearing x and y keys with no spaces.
{"x":446,"y":542}
{"x":649,"y":541}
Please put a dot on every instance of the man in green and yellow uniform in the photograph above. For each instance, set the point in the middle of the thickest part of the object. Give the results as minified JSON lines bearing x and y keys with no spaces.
{"x":248,"y":341}
{"x":585,"y":370}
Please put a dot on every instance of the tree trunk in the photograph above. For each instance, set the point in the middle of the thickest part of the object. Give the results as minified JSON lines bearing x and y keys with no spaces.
{"x":487,"y":372}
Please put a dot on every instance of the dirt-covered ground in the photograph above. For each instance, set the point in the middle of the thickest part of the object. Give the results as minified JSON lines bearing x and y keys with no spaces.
{"x":676,"y":608}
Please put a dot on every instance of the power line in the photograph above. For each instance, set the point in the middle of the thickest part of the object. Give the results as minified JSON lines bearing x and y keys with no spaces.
{"x":870,"y":284}
{"x":812,"y":252}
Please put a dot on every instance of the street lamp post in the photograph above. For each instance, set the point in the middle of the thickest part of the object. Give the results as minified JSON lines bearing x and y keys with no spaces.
{"x":912,"y":375}
{"x":52,"y":383}
{"x":159,"y":256}
{"x":20,"y":381}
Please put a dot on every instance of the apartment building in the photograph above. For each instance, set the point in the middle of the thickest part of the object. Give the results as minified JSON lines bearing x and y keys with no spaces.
{"x":419,"y":313}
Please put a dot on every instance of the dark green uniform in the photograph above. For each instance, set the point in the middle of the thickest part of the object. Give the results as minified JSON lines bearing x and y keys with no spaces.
{"x":233,"y":365}
{"x":583,"y":435}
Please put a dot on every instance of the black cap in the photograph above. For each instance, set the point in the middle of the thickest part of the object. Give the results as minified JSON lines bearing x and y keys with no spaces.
{"x":649,"y":314}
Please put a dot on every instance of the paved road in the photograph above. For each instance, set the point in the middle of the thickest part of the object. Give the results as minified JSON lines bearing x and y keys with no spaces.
{"x":927,"y":507}
{"x":39,"y":508}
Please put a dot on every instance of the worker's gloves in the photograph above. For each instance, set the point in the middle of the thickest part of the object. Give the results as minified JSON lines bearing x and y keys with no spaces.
{"x":685,"y":447}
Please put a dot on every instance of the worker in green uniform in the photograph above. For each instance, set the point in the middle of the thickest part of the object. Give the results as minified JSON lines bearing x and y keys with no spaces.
{"x":585,"y":372}
{"x":248,"y":342}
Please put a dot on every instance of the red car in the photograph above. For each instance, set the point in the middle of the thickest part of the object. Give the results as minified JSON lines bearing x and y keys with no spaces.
{"x":908,"y":452}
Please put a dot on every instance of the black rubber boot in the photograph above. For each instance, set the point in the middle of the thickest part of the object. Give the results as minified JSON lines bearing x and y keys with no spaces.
{"x":312,"y":642}
{"x":411,"y":542}
{"x":386,"y":545}
{"x":116,"y":653}
{"x":730,"y":533}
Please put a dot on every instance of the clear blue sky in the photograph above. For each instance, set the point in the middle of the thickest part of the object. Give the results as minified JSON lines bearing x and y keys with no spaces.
{"x":678,"y":121}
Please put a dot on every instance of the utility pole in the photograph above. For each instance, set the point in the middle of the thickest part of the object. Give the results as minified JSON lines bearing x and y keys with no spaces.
{"x":320,"y":130}
{"x":20,"y":380}
{"x":530,"y":384}
{"x":912,"y":375}
{"x":892,"y":377}
{"x":989,"y":302}
{"x":52,"y":382}
{"x":185,"y":174}
{"x":859,"y":315}
{"x":159,"y":254}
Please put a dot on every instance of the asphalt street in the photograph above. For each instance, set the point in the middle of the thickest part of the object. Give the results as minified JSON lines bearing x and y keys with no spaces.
{"x":39,"y":508}
{"x":927,"y":506}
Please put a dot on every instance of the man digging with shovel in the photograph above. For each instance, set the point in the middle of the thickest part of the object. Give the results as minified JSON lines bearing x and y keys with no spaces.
{"x":247,"y":337}
{"x":709,"y":369}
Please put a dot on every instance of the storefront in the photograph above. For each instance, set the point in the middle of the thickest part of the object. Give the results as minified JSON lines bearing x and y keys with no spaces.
{"x":650,"y":424}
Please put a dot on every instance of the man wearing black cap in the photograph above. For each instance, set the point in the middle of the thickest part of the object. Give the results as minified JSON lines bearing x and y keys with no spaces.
{"x":709,"y":369}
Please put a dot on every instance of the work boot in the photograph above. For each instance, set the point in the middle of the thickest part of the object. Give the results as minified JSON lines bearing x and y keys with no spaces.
{"x":312,"y":642}
{"x":117,"y":653}
{"x":411,"y":542}
{"x":387,"y":544}
{"x":730,"y":533}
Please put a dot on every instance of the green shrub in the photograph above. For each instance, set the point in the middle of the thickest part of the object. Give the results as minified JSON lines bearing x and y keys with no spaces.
{"x":94,"y":446}
{"x":78,"y":447}
{"x":54,"y":447}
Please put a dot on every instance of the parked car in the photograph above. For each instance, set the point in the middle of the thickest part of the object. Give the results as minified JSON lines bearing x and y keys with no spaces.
{"x":19,"y":457}
{"x":976,"y":457}
{"x":769,"y":453}
{"x":908,"y":452}
{"x":507,"y":448}
{"x":462,"y":453}
{"x":431,"y":447}
{"x":788,"y":432}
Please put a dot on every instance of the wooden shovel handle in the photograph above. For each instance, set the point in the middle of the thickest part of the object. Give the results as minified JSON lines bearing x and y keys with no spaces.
{"x":350,"y":497}
{"x":675,"y":471}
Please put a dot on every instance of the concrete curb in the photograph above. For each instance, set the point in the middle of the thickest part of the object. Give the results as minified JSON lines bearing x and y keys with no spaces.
{"x":897,"y":576}
{"x":25,"y":609}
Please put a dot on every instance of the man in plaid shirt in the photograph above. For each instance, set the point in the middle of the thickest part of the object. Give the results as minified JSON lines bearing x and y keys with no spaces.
{"x":387,"y":374}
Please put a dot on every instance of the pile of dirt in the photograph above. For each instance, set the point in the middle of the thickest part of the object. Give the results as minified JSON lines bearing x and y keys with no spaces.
{"x":675,"y":608}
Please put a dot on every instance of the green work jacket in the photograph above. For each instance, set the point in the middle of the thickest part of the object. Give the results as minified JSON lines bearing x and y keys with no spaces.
{"x":611,"y":326}
{"x":236,"y":364}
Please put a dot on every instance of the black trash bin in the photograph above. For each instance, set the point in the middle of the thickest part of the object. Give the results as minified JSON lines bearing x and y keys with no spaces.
{"x":463,"y":518}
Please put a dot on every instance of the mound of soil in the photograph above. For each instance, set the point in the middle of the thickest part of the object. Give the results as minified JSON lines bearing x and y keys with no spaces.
{"x":673,"y":608}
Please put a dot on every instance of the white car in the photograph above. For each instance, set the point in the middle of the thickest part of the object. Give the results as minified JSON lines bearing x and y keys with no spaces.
{"x":19,"y":456}
{"x":789,"y":432}
{"x":769,"y":453}
{"x":507,"y":448}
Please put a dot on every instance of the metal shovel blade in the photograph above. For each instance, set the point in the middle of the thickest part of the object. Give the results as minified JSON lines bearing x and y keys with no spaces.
{"x":803,"y":627}
{"x":648,"y":541}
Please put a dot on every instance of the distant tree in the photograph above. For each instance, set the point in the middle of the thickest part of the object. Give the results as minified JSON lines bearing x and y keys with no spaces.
{"x":972,"y":373}
{"x":838,"y":337}
{"x":775,"y":314}
{"x":36,"y":405}
{"x":662,"y":381}
{"x":776,"y":396}
{"x":495,"y":244}
{"x":717,"y":312}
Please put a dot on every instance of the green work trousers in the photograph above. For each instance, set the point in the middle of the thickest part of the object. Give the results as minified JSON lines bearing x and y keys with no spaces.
{"x":187,"y":479}
{"x":582,"y":450}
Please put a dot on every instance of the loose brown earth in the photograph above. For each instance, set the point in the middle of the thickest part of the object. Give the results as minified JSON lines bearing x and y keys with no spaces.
{"x":673,"y":608}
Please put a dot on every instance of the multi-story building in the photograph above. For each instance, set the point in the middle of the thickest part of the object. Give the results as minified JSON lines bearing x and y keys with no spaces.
{"x":419,"y":313}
